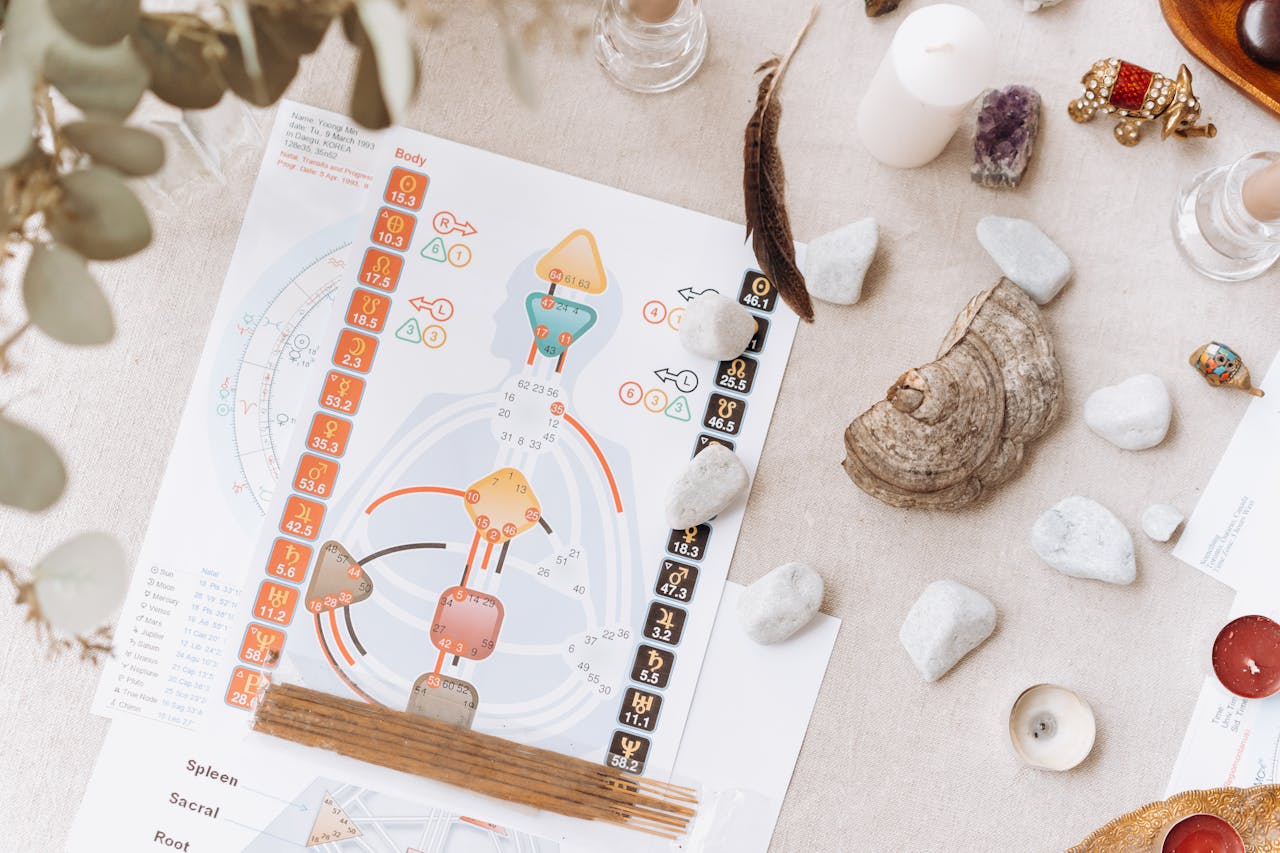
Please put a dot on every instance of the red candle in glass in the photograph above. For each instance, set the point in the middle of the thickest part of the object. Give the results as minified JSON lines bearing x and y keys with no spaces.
{"x":1203,"y":833}
{"x":1246,"y":657}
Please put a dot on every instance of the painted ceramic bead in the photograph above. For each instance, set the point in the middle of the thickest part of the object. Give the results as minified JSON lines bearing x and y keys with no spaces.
{"x":1220,"y":365}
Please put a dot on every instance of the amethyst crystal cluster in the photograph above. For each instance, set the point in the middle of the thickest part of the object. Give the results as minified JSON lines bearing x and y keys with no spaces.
{"x":1007,"y":129}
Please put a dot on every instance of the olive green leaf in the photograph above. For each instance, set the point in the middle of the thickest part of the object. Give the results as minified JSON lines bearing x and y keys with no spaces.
{"x":99,"y":216}
{"x":277,"y":70}
{"x":31,"y":474}
{"x":181,"y":52}
{"x":81,"y":583}
{"x":130,"y":150}
{"x":99,"y":80}
{"x":296,"y":32}
{"x":17,"y":89}
{"x":63,"y":300}
{"x":29,"y":29}
{"x":96,"y":22}
{"x":388,"y":32}
{"x":367,"y":106}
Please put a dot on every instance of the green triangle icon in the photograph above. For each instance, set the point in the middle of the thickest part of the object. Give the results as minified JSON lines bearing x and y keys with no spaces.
{"x":435,"y":251}
{"x":410,"y":331}
{"x":679,"y":409}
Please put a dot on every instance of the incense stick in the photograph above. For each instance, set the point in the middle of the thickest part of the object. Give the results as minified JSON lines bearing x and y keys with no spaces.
{"x":478,"y":762}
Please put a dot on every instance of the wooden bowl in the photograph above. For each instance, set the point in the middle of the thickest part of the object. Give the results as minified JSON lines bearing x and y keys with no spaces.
{"x":1207,"y":28}
{"x":1254,"y":812}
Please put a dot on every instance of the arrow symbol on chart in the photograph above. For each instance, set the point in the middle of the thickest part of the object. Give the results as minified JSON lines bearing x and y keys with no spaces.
{"x":689,"y":293}
{"x":421,"y":303}
{"x":302,"y":807}
{"x":446,"y":223}
{"x":685,"y":380}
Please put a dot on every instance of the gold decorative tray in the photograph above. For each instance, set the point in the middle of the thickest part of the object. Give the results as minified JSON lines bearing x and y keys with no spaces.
{"x":1255,"y":812}
{"x":1207,"y":28}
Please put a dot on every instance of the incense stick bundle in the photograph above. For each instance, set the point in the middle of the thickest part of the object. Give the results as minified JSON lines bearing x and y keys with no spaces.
{"x":478,"y":762}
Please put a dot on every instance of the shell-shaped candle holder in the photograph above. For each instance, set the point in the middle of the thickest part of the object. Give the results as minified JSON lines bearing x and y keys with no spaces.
{"x":1051,"y":727}
{"x":952,"y":430}
{"x":1253,"y":812}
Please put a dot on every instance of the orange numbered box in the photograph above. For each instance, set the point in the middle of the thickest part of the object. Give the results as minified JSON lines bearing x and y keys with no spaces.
{"x":354,"y":351}
{"x":342,"y":393}
{"x":276,"y":603}
{"x":329,"y":434}
{"x":315,"y":475}
{"x":245,"y":688}
{"x":289,"y":560}
{"x":393,"y":229}
{"x":406,"y":188}
{"x":368,"y":310}
{"x":302,"y":517}
{"x":261,"y":646}
{"x":381,"y":269}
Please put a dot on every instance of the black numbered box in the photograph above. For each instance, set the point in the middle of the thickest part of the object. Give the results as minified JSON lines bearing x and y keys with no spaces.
{"x":640,"y":709}
{"x":724,"y":414}
{"x":676,"y":580}
{"x":652,"y":666}
{"x":757,"y":340}
{"x":628,"y":752}
{"x":665,"y":623}
{"x":757,"y":292}
{"x":690,"y":543}
{"x":737,"y":374}
{"x":704,"y":441}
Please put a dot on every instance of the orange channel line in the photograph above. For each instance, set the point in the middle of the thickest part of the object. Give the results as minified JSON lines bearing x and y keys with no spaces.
{"x":333,"y":626}
{"x":488,"y":549}
{"x":338,"y":669}
{"x":533,"y":350}
{"x":475,"y":542}
{"x":613,"y":484}
{"x":440,"y":490}
{"x":439,"y":662}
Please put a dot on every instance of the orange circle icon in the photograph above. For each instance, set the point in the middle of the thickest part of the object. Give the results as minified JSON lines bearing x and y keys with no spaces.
{"x":674,"y":318}
{"x":654,"y":312}
{"x":434,"y":336}
{"x":548,"y":302}
{"x":541,"y":332}
{"x":655,"y":400}
{"x":630,"y":393}
{"x":557,"y":408}
{"x":459,"y":255}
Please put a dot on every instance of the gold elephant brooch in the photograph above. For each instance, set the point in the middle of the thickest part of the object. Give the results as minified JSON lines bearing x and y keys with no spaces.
{"x":1139,"y":96}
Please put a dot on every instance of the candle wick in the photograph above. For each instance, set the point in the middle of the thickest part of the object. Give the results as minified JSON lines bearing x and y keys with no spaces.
{"x":938,"y":48}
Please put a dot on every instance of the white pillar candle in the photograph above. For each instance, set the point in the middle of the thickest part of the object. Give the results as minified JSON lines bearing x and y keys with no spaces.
{"x":941,"y":59}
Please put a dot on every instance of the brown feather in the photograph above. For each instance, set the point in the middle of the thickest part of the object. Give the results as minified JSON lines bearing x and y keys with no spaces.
{"x":764,"y":187}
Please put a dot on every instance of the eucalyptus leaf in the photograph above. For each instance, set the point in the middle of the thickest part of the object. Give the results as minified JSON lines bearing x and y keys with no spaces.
{"x":81,"y":583}
{"x":388,"y":33}
{"x":29,"y":29}
{"x":31,"y":474}
{"x":96,"y":22}
{"x":130,"y":150}
{"x":513,"y":62}
{"x":17,"y":90}
{"x":181,"y":72}
{"x":367,"y":107}
{"x":99,"y":216}
{"x":278,"y":71}
{"x":62,"y":298}
{"x":99,"y":80}
{"x":296,"y":31}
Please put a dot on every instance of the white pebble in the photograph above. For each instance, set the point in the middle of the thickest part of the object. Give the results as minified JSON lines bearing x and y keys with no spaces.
{"x":1025,"y":255}
{"x":716,"y":327}
{"x":948,"y":621}
{"x":1133,"y":415}
{"x":836,"y":263}
{"x":1082,"y":538}
{"x":1159,"y":521}
{"x":711,"y":481}
{"x":780,"y":603}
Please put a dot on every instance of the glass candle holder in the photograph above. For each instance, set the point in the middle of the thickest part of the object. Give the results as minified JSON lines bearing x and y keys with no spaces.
{"x":650,"y":45}
{"x":1218,"y":232}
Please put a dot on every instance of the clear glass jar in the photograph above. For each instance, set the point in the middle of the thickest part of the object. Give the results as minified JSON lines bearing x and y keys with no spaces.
{"x":1214,"y":231}
{"x":650,"y":45}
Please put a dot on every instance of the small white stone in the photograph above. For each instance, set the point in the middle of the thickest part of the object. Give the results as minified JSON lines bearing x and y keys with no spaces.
{"x":1025,"y":255}
{"x":1133,"y":415}
{"x":1082,"y":538}
{"x":780,"y":603}
{"x":948,"y":621}
{"x":836,"y":263}
{"x":711,"y":481}
{"x":716,"y":327}
{"x":1159,"y":521}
